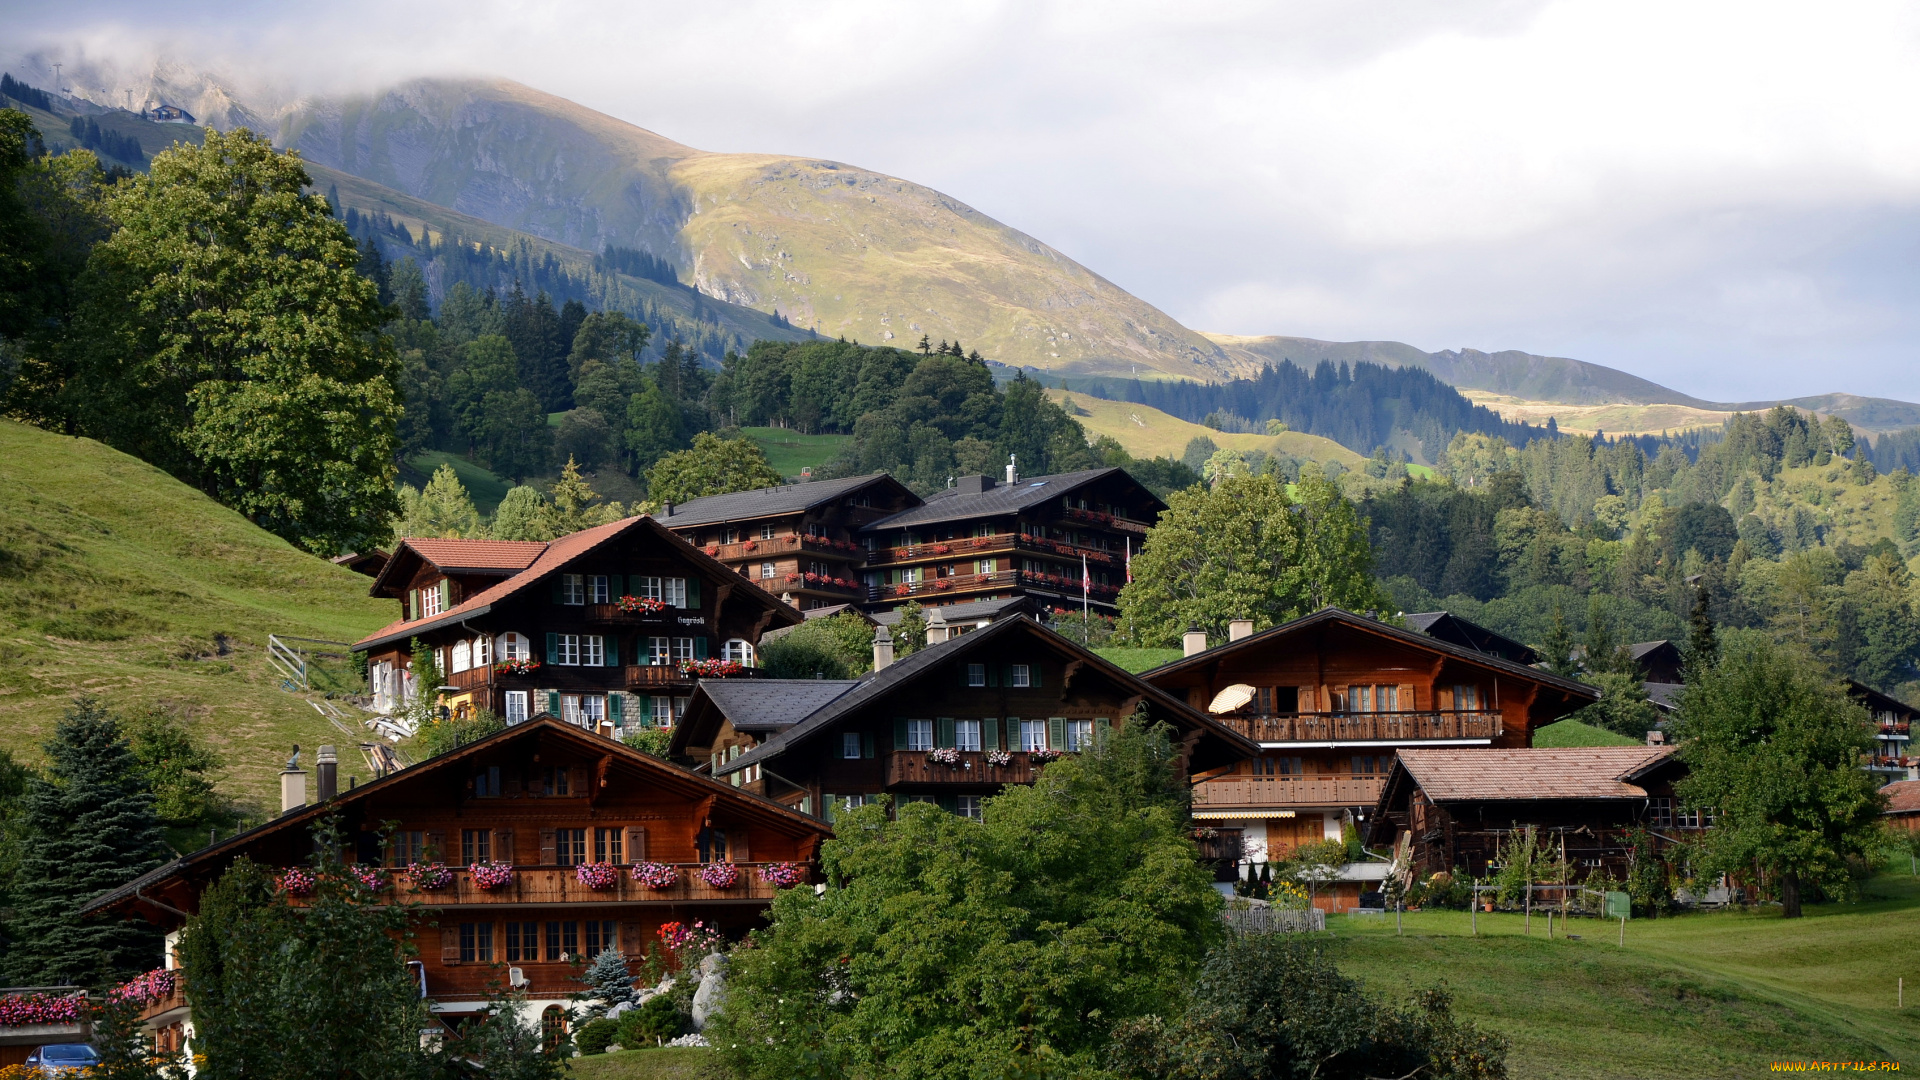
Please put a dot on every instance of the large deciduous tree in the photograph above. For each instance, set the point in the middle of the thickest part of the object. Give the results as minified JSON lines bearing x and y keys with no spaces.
{"x":1248,"y":548}
{"x":1773,"y":748}
{"x":715,"y":466}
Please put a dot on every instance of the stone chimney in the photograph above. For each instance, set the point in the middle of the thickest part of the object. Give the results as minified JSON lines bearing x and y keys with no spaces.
{"x":937,"y":629}
{"x":882,"y":648}
{"x":1239,"y":628}
{"x":293,"y":784}
{"x":1013,"y":471}
{"x":1194,"y":641}
{"x":1656,"y":738}
{"x":326,"y":768}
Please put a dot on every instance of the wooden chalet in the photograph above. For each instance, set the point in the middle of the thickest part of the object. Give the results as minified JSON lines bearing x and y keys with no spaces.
{"x":1466,"y":633}
{"x":1452,"y":809}
{"x":801,"y":542}
{"x":1903,"y":804}
{"x":1331,"y":699}
{"x":1891,"y":721}
{"x":545,"y":798}
{"x":949,"y":724}
{"x":1022,"y":537}
{"x":604,"y":628}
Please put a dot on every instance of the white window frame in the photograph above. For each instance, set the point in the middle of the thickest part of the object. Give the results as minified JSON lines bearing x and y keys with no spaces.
{"x":570,"y":709}
{"x":659,"y":651}
{"x":462,"y":657}
{"x":515,"y":646}
{"x":430,"y":600}
{"x":1033,"y":735}
{"x":516,"y":707}
{"x":967,"y":806}
{"x":682,"y":649}
{"x":966,"y":735}
{"x":597,"y":589}
{"x":738,"y":650}
{"x":674,"y":591}
{"x":766,"y":571}
{"x":566,"y":649}
{"x":1079,"y":735}
{"x":593,"y":711}
{"x":593,"y":650}
{"x":482,"y":651}
{"x":976,"y":674}
{"x":1019,"y":675}
{"x":573,"y":590}
{"x":664,"y":713}
{"x":849,"y":745}
{"x":919,"y":735}
{"x":985,"y":566}
{"x":766,"y":531}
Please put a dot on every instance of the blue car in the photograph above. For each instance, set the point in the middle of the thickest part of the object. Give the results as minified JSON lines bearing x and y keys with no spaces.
{"x":62,"y":1058}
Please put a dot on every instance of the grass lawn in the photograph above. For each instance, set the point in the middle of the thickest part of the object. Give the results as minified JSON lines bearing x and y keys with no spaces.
{"x":1575,"y":733}
{"x":486,"y":488}
{"x":789,"y":452}
{"x":1139,"y":660}
{"x":1717,"y":994}
{"x":666,"y":1063}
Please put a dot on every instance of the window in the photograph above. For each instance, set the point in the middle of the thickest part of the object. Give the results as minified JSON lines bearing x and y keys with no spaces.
{"x":1660,"y":813}
{"x":409,"y":846}
{"x":606,"y":847}
{"x":601,"y":936}
{"x":738,"y":650}
{"x":985,"y":566}
{"x":1368,"y":765}
{"x":663,"y":711}
{"x":1079,"y":734}
{"x":583,"y":710}
{"x":976,"y":674}
{"x":563,"y":941}
{"x":967,"y":806}
{"x":573,"y":589}
{"x":482,"y":651}
{"x":516,"y":706}
{"x":766,"y":571}
{"x":966,"y":734}
{"x":1033,"y":735}
{"x":711,"y":845}
{"x":1290,"y":766}
{"x":476,"y":845}
{"x":766,"y":532}
{"x":919,"y":734}
{"x":553,"y":1028}
{"x":430,"y":601}
{"x":597,"y":589}
{"x":515,"y":647}
{"x":850,"y":745}
{"x":729,"y":536}
{"x":570,"y":846}
{"x":523,"y":941}
{"x":682,"y":649}
{"x":1017,"y":675}
{"x":556,"y":780}
{"x":462,"y":656}
{"x":476,"y":943}
{"x":579,"y":650}
{"x":1360,"y":699}
{"x":486,"y":784}
{"x":1694,"y":819}
{"x":1262,"y":766}
{"x":1466,"y":698}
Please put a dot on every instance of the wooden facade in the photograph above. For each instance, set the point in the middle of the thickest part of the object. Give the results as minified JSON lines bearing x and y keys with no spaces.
{"x":544,"y":797}
{"x":522,"y":629}
{"x":1331,"y":699}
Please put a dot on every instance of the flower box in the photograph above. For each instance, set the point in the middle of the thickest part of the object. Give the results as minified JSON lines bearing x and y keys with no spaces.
{"x":491,"y":875}
{"x":371,"y":878}
{"x":712,"y":669}
{"x":1044,"y":757}
{"x":720,"y":875}
{"x":784,"y":875}
{"x":656,"y":876}
{"x":641,"y":605}
{"x":155,"y":985}
{"x":22,"y":1010}
{"x":597,"y":876}
{"x":516,"y":667}
{"x":431,"y":876}
{"x":298,"y":882}
{"x":945,"y":755}
{"x":999,"y":757}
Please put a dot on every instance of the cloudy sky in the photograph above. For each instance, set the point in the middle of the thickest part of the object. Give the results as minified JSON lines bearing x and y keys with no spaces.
{"x":1723,"y":197}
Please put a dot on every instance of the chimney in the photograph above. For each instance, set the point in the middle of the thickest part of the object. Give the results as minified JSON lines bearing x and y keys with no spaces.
{"x":293,"y":784}
{"x":974,"y":484}
{"x":882,"y":648}
{"x":1194,"y":641}
{"x":666,"y":509}
{"x":1656,"y":738}
{"x":937,"y":629}
{"x":1239,"y":628}
{"x":1013,"y":472}
{"x":326,"y":769}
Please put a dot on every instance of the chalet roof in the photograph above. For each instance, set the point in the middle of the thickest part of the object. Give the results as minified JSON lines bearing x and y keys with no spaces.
{"x":904,"y":671}
{"x":763,"y":704}
{"x":214,"y":855}
{"x":556,"y":554}
{"x":1326,"y":615}
{"x":1585,"y":772}
{"x":1640,"y":649}
{"x":1877,"y":702}
{"x":955,"y":614}
{"x":1447,"y":626}
{"x":953,"y":504}
{"x":1665,"y":696}
{"x":1903,"y":797}
{"x":763,"y":502}
{"x":455,"y":556}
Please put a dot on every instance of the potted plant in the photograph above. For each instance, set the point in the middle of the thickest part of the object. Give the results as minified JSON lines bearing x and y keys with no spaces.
{"x":298,"y":881}
{"x":656,"y":876}
{"x":784,"y":875}
{"x":999,"y":757}
{"x":944,"y":755}
{"x":431,"y":876}
{"x":491,"y":875}
{"x":371,"y":878}
{"x":641,"y":605}
{"x":720,"y":875}
{"x":597,"y":876}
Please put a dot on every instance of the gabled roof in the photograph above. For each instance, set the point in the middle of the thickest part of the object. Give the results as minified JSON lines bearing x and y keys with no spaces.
{"x":1450,"y":627}
{"x":765,"y":502}
{"x":1332,"y":616}
{"x":960,"y":614}
{"x":771,"y":704}
{"x":1876,"y":701}
{"x":953,"y":504}
{"x":923,"y":663}
{"x":1903,"y":797}
{"x":556,"y":554}
{"x":499,"y":557}
{"x":215,"y":856}
{"x":1586,"y":772}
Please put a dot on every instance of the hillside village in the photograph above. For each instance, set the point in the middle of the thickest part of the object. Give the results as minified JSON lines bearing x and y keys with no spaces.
{"x":623,"y":678}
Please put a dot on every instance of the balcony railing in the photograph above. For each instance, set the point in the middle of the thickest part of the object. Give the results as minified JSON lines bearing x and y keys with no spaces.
{"x":646,"y":675}
{"x":1367,"y":727}
{"x":999,"y":579}
{"x":918,"y":767}
{"x":786,"y":545}
{"x":1284,"y":791}
{"x":559,"y":885}
{"x":967,"y":547}
{"x":160,"y":1006}
{"x":471,"y":679}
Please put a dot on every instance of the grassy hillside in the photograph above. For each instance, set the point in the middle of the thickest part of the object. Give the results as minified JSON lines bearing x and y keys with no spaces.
{"x":789,"y":452}
{"x":117,"y":580}
{"x":1148,"y":432}
{"x":1575,"y":733}
{"x":1612,"y":418}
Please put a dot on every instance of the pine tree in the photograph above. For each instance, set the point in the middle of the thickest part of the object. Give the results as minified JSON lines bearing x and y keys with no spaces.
{"x":608,"y":981}
{"x":522,"y":516}
{"x":925,"y":346}
{"x":91,"y":827}
{"x":573,"y":501}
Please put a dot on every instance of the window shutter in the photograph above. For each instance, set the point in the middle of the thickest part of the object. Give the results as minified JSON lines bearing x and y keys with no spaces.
{"x":437,"y":845}
{"x":446,"y":594}
{"x":963,"y":677}
{"x":1102,"y":727}
{"x":558,"y":596}
{"x":450,"y":944}
{"x":1056,"y":733}
{"x":413,"y":604}
{"x":1307,"y":704}
{"x":943,"y":731}
{"x":616,"y":711}
{"x":636,"y":844}
{"x":693,"y":592}
{"x":503,"y":846}
{"x":1033,"y":674}
{"x":611,"y":655}
{"x":737,"y":846}
{"x":899,"y":733}
{"x":866,"y":745}
{"x":990,"y":734}
{"x":633,"y":939}
{"x":1443,"y":698}
{"x":616,"y":587}
{"x":1013,"y":733}
{"x":553,"y":703}
{"x":553,"y":648}
{"x":949,"y":803}
{"x":700,"y":648}
{"x":643,"y":712}
{"x":549,"y":848}
{"x":1405,"y":702}
{"x":993,"y":674}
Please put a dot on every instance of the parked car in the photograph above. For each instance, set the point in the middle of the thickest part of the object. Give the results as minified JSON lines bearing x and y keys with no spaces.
{"x":62,"y":1058}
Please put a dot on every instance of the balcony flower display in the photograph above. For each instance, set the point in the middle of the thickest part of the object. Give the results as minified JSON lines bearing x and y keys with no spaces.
{"x":430,"y":876}
{"x":943,"y":583}
{"x":903,"y":589}
{"x":19,"y":1010}
{"x":712,"y":669}
{"x":944,"y":755}
{"x":641,"y":605}
{"x":491,"y":875}
{"x":1044,"y":757}
{"x":784,"y":875}
{"x":999,"y":757}
{"x":720,"y":875}
{"x":298,"y":882}
{"x":942,"y":549}
{"x":597,"y":876}
{"x":522,"y":666}
{"x":655,"y":875}
{"x":371,"y":878}
{"x":155,"y":985}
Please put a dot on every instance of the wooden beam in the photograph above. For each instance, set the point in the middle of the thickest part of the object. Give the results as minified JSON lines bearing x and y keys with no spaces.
{"x":600,"y":769}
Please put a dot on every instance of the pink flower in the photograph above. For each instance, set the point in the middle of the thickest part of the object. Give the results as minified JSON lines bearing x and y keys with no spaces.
{"x":655,"y":875}
{"x":784,"y":875}
{"x":720,"y":875}
{"x":491,"y":875}
{"x":597,"y":875}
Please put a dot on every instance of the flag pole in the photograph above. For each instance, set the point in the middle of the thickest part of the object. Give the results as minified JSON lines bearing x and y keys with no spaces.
{"x":1086,"y":586}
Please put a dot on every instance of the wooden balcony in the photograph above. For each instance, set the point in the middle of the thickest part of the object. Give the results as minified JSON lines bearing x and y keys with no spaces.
{"x":159,"y":1007}
{"x":749,"y":550}
{"x":916,"y":767}
{"x":544,"y":885}
{"x":610,"y":614}
{"x":1338,"y":789}
{"x":650,"y":676}
{"x":965,"y":584}
{"x":970,"y":547}
{"x":1387,"y":727}
{"x":471,"y":679}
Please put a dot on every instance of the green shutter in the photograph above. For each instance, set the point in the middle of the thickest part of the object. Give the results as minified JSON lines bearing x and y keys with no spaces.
{"x":612,"y":653}
{"x":899,"y":733}
{"x":1056,"y":733}
{"x":1033,"y":674}
{"x":616,"y":587}
{"x":553,"y":703}
{"x":643,"y":710}
{"x":693,"y":593}
{"x":993,"y":674}
{"x":949,"y":803}
{"x":615,"y":710}
{"x":990,"y":734}
{"x":943,"y":731}
{"x":553,"y":648}
{"x":700,"y":648}
{"x":1013,"y":734}
{"x":866,"y":744}
{"x":558,"y":596}
{"x":413,"y":604}
{"x":446,"y":594}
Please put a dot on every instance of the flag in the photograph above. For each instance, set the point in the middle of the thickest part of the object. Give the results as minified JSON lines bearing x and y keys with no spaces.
{"x":1086,"y":579}
{"x":1129,"y":560}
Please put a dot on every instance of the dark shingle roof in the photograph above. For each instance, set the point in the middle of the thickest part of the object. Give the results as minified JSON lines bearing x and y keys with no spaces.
{"x":952,"y":504}
{"x":759,"y":704}
{"x":761,"y":502}
{"x":1447,"y":626}
{"x":955,"y":614}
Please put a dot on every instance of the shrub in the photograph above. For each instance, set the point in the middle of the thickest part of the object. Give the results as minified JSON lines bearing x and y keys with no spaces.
{"x":594,"y":1036}
{"x":439,"y":736}
{"x":651,"y":1024}
{"x":648,"y":740}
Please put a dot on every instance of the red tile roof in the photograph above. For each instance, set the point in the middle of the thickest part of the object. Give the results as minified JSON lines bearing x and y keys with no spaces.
{"x":455,"y":555}
{"x":1590,"y":772}
{"x":1903,"y":797}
